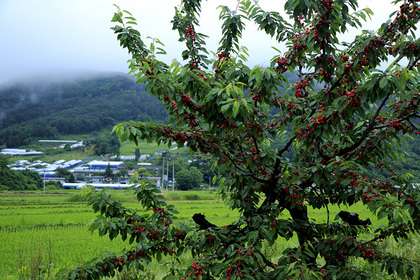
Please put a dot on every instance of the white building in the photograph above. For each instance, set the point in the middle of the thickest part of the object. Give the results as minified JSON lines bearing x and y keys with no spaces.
{"x":20,"y":152}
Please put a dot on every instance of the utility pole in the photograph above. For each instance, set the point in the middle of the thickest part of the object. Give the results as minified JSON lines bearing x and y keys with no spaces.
{"x":44,"y":181}
{"x":167,"y":173}
{"x":163,"y":171}
{"x":173,"y":174}
{"x":166,"y":178}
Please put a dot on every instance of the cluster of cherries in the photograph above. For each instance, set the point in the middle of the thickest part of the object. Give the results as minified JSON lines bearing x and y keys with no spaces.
{"x":402,"y":107}
{"x":353,"y":99}
{"x":209,"y":238}
{"x":220,"y":58}
{"x":234,"y":270}
{"x":407,"y":13}
{"x":297,"y":199}
{"x":300,"y":86}
{"x":121,"y":260}
{"x":256,"y":96}
{"x":367,"y":251}
{"x":198,"y":271}
{"x":190,"y":33}
{"x":164,"y":218}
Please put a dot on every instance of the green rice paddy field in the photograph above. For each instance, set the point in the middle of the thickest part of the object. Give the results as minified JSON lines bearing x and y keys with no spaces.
{"x":41,"y":234}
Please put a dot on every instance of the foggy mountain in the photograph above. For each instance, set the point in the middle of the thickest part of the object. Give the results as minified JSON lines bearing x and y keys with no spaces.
{"x":48,"y":106}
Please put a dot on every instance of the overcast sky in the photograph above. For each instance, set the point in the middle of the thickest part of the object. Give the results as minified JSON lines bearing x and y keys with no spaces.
{"x":40,"y":36}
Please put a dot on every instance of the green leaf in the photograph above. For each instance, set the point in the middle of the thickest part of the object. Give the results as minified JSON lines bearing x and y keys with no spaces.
{"x":383,"y":82}
{"x":359,"y":124}
{"x":225,"y":108}
{"x":235,"y":108}
{"x":252,"y":235}
{"x":117,"y":18}
{"x":217,"y":269}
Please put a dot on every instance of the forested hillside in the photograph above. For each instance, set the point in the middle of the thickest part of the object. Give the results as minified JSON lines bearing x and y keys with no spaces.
{"x":42,"y":109}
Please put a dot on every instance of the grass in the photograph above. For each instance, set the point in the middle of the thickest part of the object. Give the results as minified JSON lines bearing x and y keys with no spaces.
{"x":128,"y":148}
{"x":52,"y":247}
{"x":37,"y":229}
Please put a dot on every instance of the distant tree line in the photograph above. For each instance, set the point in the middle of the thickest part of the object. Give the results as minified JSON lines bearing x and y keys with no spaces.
{"x":66,"y":174}
{"x":105,"y":145}
{"x":191,"y":174}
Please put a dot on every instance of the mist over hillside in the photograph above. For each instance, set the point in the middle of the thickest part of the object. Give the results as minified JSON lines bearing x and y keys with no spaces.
{"x":48,"y":106}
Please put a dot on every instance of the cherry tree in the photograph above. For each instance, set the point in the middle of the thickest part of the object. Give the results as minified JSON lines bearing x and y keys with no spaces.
{"x":345,"y":118}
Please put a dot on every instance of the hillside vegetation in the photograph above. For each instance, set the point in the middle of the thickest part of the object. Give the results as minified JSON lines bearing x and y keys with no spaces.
{"x":35,"y":110}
